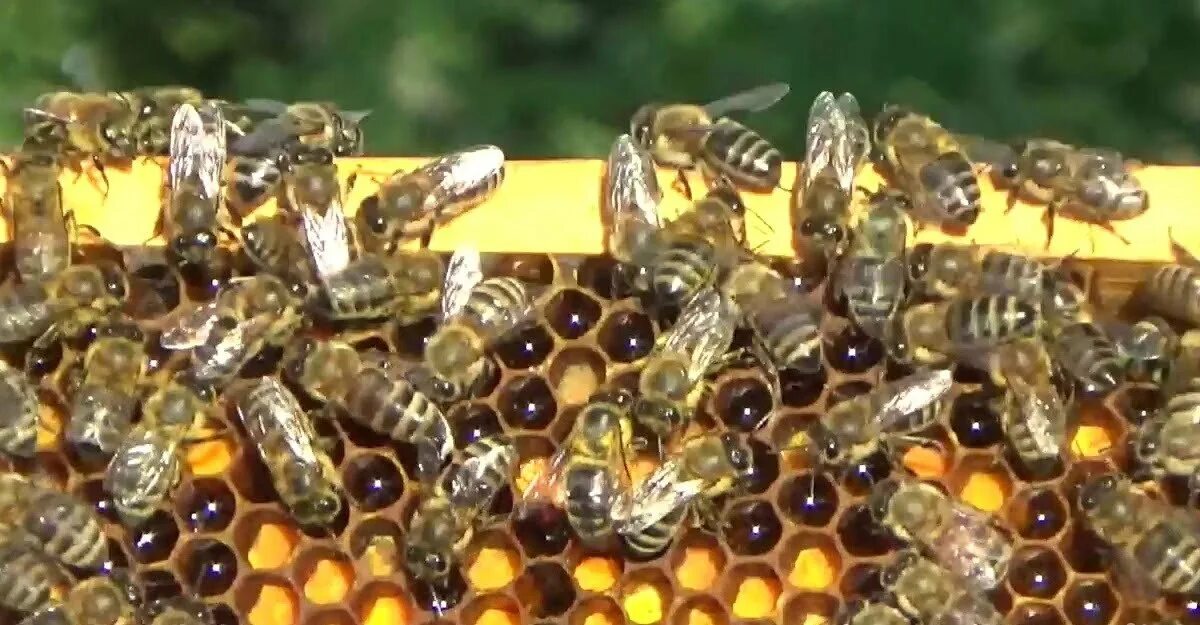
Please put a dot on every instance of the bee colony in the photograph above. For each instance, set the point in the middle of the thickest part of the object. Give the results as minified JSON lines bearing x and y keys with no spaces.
{"x":870,"y":402}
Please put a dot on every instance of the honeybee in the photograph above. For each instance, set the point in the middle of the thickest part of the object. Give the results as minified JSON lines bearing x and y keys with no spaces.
{"x":315,"y":195}
{"x":320,"y":124}
{"x":475,"y":314}
{"x":685,"y":136}
{"x":961,"y":328}
{"x":631,"y":200}
{"x":1034,"y":416}
{"x":870,"y":613}
{"x":192,"y":216}
{"x":1174,"y":289}
{"x":837,"y":144}
{"x":287,"y":444}
{"x":1155,"y":545}
{"x":179,"y":611}
{"x":929,"y":164}
{"x":18,"y":413}
{"x":156,"y":107}
{"x":785,"y":322}
{"x":27,"y":575}
{"x":696,"y":250}
{"x":961,"y":539}
{"x":444,"y":523}
{"x":1147,"y":348}
{"x":33,"y":199}
{"x":932,"y":595}
{"x":65,"y":528}
{"x":273,"y":246}
{"x":669,"y":385}
{"x":409,"y":205}
{"x":707,"y":467}
{"x":101,"y":600}
{"x":96,"y":125}
{"x":1090,"y":357}
{"x":870,"y":275}
{"x":103,"y":404}
{"x":890,"y":416}
{"x":406,"y":285}
{"x":588,"y":475}
{"x":65,"y":306}
{"x":1167,"y":443}
{"x":147,"y":465}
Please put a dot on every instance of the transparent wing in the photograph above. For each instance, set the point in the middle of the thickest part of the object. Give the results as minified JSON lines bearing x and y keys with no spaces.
{"x":662,"y":493}
{"x":226,"y":351}
{"x":463,"y":273}
{"x":465,"y":176}
{"x":854,"y":142}
{"x":184,"y":155}
{"x":191,"y":328}
{"x":631,"y":187}
{"x":825,"y":125}
{"x":278,"y":413}
{"x":266,"y":105}
{"x":911,"y":394}
{"x":328,"y":239}
{"x":547,"y":489}
{"x":212,"y":152}
{"x":143,"y":469}
{"x":704,"y":331}
{"x":1043,"y":412}
{"x":470,"y":486}
{"x":750,"y":101}
{"x":970,"y":547}
{"x":968,"y":608}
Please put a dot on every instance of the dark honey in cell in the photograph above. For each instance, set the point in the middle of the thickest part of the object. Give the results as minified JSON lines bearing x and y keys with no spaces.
{"x":1090,"y":602}
{"x":1139,"y":403}
{"x":572,"y":313}
{"x":411,"y":339}
{"x":809,"y":499}
{"x":799,"y":388}
{"x":861,"y":476}
{"x":860,"y":535}
{"x":1041,"y":516}
{"x":373,"y":482}
{"x":211,"y":567}
{"x":474,"y":422}
{"x":153,"y":540}
{"x":552,"y":590}
{"x":852,"y":351}
{"x":528,"y":348}
{"x":861,"y":582}
{"x":627,"y":336}
{"x":764,"y":468}
{"x":94,"y":493}
{"x":442,"y":599}
{"x":158,"y":584}
{"x":1037,"y":572}
{"x":751,"y":528}
{"x":974,"y":421}
{"x":209,"y":507}
{"x":223,"y":615}
{"x":528,"y":403}
{"x":116,"y":558}
{"x":542,"y":531}
{"x":746,"y":404}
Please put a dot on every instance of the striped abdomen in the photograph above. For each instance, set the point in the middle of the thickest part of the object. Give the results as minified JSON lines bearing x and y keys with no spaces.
{"x":950,"y":183}
{"x":18,"y":413}
{"x":67,"y":529}
{"x":1002,"y":273}
{"x":1090,"y":356}
{"x":654,"y":539}
{"x":990,"y":320}
{"x":1035,"y":438}
{"x":496,"y":456}
{"x":1171,"y":554}
{"x":792,"y":334}
{"x":26,"y":576}
{"x":681,"y":269}
{"x":101,"y":417}
{"x":497,"y":306}
{"x":25,"y":313}
{"x":365,"y":289}
{"x":457,"y":200}
{"x":743,"y":155}
{"x":391,"y":406}
{"x":1174,"y":290}
{"x":873,"y":289}
{"x":590,"y":493}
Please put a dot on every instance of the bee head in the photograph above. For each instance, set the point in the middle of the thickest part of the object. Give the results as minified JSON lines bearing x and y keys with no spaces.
{"x":295,"y":358}
{"x":196,"y":247}
{"x":827,"y":235}
{"x":738,"y":454}
{"x":824,"y":448}
{"x":886,"y":121}
{"x":641,"y":125}
{"x":1095,"y":490}
{"x":880,"y":498}
{"x":428,"y":564}
{"x":918,"y":261}
{"x":119,"y":138}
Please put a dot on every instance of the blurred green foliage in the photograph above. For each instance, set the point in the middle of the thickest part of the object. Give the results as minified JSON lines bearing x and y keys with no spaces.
{"x":560,"y":77}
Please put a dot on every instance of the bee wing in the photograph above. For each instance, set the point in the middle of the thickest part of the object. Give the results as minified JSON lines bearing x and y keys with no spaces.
{"x":280,"y":414}
{"x":971,"y":548}
{"x":328,"y":239}
{"x":660,"y":494}
{"x":463,"y":273}
{"x":227,"y":350}
{"x":911,"y":394}
{"x":547,"y":487}
{"x":34,"y":115}
{"x":213,"y":152}
{"x":825,"y":125}
{"x":704,"y":331}
{"x":853,"y":143}
{"x":184,"y":154}
{"x":266,"y":105}
{"x":749,"y":101}
{"x":968,"y":608}
{"x":143,"y":468}
{"x":470,"y":486}
{"x":1043,"y":413}
{"x":631,"y":186}
{"x":466,"y":173}
{"x":191,"y":328}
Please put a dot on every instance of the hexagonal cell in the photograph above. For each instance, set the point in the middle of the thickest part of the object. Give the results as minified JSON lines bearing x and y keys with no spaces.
{"x":596,"y":611}
{"x":543,"y":532}
{"x":594,"y":571}
{"x":1142,"y":616}
{"x":809,"y":499}
{"x":159,"y":584}
{"x":211,"y":458}
{"x":764,"y":468}
{"x":860,"y":535}
{"x":1090,"y":602}
{"x":223,"y":614}
{"x":572,"y":313}
{"x":810,"y":561}
{"x":575,"y":373}
{"x":491,"y":609}
{"x":266,"y":538}
{"x":626,"y":335}
{"x":266,"y":600}
{"x":810,"y":607}
{"x":325,"y":575}
{"x":546,"y":590}
{"x":380,"y":603}
{"x":372,"y":481}
{"x":1097,"y":432}
{"x":1037,"y":572}
{"x":864,"y":474}
{"x":861,"y":581}
{"x":751,"y":528}
{"x":852,"y":351}
{"x":330,"y":617}
{"x":209,"y":565}
{"x":1137,"y":403}
{"x":527,"y":403}
{"x":493,"y":563}
{"x":472,"y":422}
{"x":646,"y":595}
{"x":743,"y":402}
{"x":974,"y":419}
{"x":93,"y":492}
{"x":375,"y":544}
{"x":153,"y":540}
{"x":117,"y":557}
{"x":752,"y":591}
{"x":982,"y":483}
{"x":697,"y":560}
{"x":800,"y":388}
{"x":1035,"y":613}
{"x":602,"y":276}
{"x":205,"y":505}
{"x":445,"y":598}
{"x":702,"y":609}
{"x":1037,"y":514}
{"x":250,"y":478}
{"x":526,"y":349}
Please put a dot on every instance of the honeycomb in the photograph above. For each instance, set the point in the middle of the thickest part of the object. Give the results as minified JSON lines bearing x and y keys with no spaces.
{"x":793,"y":550}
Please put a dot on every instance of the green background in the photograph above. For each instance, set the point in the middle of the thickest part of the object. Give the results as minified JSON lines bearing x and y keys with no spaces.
{"x":559,"y":77}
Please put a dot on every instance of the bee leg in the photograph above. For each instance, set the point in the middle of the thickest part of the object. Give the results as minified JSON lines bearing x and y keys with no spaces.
{"x":1051,"y":208}
{"x":705,"y":514}
{"x":1181,"y":253}
{"x":99,"y":164}
{"x":682,"y":185}
{"x":1109,"y":227}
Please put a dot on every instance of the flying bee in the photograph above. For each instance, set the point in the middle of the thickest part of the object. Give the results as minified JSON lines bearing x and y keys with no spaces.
{"x":63,"y":527}
{"x":932,"y":595}
{"x":156,"y":108}
{"x":409,"y":205}
{"x":1034,"y":416}
{"x":1154,"y":545}
{"x":65,"y":306}
{"x":274,"y":246}
{"x":192,"y":217}
{"x":27,"y":575}
{"x":406,"y":285}
{"x":1089,"y":184}
{"x":303,"y":475}
{"x":96,"y":125}
{"x":317,"y":124}
{"x":631,"y":200}
{"x":837,"y":144}
{"x":100,"y":600}
{"x":588,"y":476}
{"x":102,"y":406}
{"x":687,"y":484}
{"x":887,"y":418}
{"x":33,"y":200}
{"x":148,"y":465}
{"x":962,"y":328}
{"x":444,"y":523}
{"x":1090,"y":356}
{"x":670,"y":383}
{"x":685,"y":136}
{"x":870,"y":613}
{"x":928,"y":163}
{"x":959,"y":538}
{"x":870,"y":275}
{"x":476,"y":313}
{"x":1174,"y":289}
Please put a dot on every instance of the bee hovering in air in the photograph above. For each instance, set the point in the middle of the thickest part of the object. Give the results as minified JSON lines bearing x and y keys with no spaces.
{"x":959,"y":538}
{"x":303,"y":475}
{"x":870,"y":275}
{"x":963,"y":329}
{"x":687,"y":484}
{"x":409,"y":205}
{"x":837,"y":144}
{"x":588,"y":476}
{"x":42,"y":228}
{"x":109,"y":380}
{"x":1034,"y":415}
{"x":18,"y":413}
{"x":932,"y":595}
{"x":1154,"y":546}
{"x":670,"y":385}
{"x":928,"y":163}
{"x":192,"y":218}
{"x":63,"y":527}
{"x":686,"y":136}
